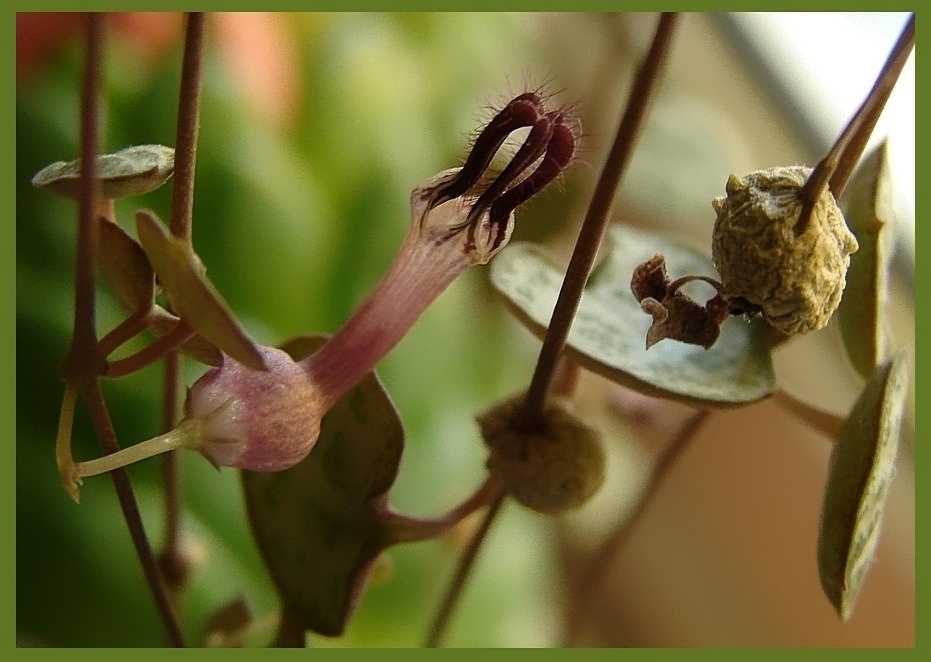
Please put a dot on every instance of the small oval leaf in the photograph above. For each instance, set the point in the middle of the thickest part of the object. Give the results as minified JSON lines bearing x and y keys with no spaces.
{"x":318,"y":525}
{"x":860,"y":468}
{"x":131,"y":171}
{"x":609,"y":330}
{"x":127,"y":269}
{"x":869,"y":211}
{"x":192,"y":296}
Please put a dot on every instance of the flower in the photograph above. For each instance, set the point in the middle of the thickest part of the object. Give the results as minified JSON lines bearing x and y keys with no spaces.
{"x":270,"y":420}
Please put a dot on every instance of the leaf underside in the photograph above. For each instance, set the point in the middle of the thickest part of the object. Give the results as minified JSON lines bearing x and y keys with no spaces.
{"x":860,"y":469}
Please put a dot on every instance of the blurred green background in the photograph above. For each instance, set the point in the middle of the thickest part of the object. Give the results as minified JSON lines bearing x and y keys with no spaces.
{"x":315,"y":127}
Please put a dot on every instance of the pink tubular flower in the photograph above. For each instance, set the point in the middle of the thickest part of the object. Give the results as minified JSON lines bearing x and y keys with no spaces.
{"x":269,"y":421}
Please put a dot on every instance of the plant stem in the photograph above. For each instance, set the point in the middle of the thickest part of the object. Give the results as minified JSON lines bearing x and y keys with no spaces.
{"x":584,"y":591}
{"x":593,"y":229}
{"x":175,"y":438}
{"x":107,"y":435}
{"x":454,"y":590}
{"x":834,"y":169}
{"x":82,"y":359}
{"x":151,"y":353}
{"x":182,"y":192}
{"x":82,"y":365}
{"x":291,"y":632}
{"x":129,"y":328}
{"x":824,"y":422}
{"x":403,"y":528}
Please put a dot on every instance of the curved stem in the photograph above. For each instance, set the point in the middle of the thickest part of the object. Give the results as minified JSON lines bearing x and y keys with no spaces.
{"x":158,"y":349}
{"x":187,"y":434}
{"x":593,"y":229}
{"x":402,"y":528}
{"x":130,"y":508}
{"x":291,"y":632}
{"x":82,"y":366}
{"x":584,"y":592}
{"x":825,"y":422}
{"x":67,"y":469}
{"x":124,"y":331}
{"x":466,"y":562}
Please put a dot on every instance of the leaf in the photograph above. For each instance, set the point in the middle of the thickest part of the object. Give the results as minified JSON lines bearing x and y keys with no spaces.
{"x":869,"y":211}
{"x":860,"y":468}
{"x":318,"y":525}
{"x":127,"y":269}
{"x":192,"y":296}
{"x":131,"y":171}
{"x":609,"y":330}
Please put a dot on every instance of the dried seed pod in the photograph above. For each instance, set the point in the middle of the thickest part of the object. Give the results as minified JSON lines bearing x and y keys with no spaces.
{"x":554,"y":468}
{"x":795,"y":281}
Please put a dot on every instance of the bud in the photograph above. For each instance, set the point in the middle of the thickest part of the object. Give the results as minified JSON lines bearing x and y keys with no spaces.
{"x":236,"y":417}
{"x":795,"y":281}
{"x":555,"y":467}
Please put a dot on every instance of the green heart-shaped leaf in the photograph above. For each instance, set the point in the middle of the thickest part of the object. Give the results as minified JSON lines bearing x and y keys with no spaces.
{"x":869,"y":211}
{"x":131,"y":171}
{"x":860,"y":469}
{"x":318,"y":524}
{"x":192,"y":296}
{"x":609,"y":330}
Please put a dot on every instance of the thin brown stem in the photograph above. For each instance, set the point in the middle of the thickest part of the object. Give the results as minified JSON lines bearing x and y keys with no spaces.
{"x":593,"y":229}
{"x":291,"y":631}
{"x":825,"y":422}
{"x":107,"y":436}
{"x":834,"y":169}
{"x":124,"y":331}
{"x":466,"y":562}
{"x":586,"y":589}
{"x":81,"y":359}
{"x":403,"y":528}
{"x":159,"y":348}
{"x":182,"y":200}
{"x":82,"y":366}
